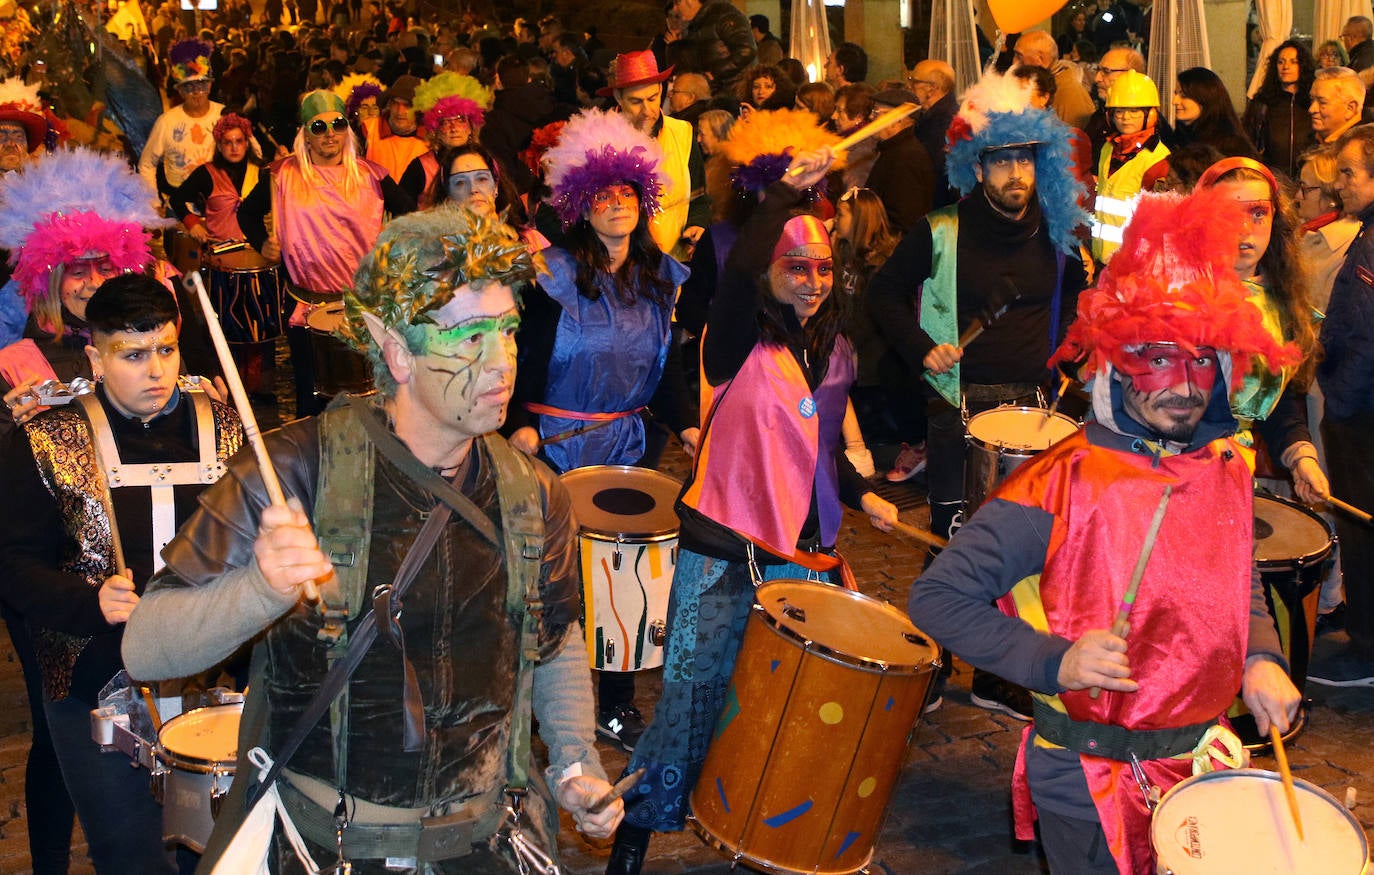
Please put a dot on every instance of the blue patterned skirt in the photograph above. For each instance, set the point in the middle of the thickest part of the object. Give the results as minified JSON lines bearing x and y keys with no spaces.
{"x":707,"y":611}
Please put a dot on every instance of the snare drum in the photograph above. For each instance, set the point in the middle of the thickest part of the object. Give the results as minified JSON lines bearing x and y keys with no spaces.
{"x":628,"y":542}
{"x":248,"y":293}
{"x":195,"y":754}
{"x":1229,"y":822}
{"x":338,"y":366}
{"x":827,"y":689}
{"x":1294,"y":550}
{"x":1000,"y":440}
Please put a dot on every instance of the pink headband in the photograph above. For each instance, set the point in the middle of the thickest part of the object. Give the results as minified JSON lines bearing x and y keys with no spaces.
{"x":805,"y":230}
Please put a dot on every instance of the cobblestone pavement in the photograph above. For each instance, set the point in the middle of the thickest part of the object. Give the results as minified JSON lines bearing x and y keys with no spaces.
{"x":949,"y":814}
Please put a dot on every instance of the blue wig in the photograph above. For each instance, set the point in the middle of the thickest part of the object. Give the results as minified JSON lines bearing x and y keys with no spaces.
{"x":991,"y":115}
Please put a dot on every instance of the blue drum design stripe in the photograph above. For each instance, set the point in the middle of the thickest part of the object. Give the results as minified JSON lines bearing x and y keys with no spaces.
{"x":848,"y":840}
{"x":787,"y":817}
{"x":720,"y":790}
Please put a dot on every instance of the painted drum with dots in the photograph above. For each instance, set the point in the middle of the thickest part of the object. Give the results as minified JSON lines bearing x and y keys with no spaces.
{"x":826,"y":692}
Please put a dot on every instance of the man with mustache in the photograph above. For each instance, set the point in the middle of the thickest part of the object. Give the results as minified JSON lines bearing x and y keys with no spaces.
{"x":1009,"y":244}
{"x":1161,"y":339}
{"x":430,"y":740}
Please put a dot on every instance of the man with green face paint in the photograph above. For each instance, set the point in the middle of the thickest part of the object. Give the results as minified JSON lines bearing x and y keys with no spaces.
{"x":429,"y":740}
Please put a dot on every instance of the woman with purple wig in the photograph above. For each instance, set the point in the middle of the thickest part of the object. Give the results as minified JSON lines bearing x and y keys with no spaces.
{"x":596,"y":343}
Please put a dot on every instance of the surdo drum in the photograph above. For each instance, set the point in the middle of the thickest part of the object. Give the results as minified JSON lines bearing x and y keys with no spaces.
{"x":1238,"y":821}
{"x":338,"y":366}
{"x":247,"y":291}
{"x":195,"y":754}
{"x":827,"y":689}
{"x":628,"y":544}
{"x":1294,"y":550}
{"x":1001,"y":440}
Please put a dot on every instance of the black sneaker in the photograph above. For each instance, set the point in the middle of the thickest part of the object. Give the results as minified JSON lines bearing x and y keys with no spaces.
{"x":994,"y":694}
{"x":623,"y":724}
{"x":1345,"y":668}
{"x":1332,"y":621}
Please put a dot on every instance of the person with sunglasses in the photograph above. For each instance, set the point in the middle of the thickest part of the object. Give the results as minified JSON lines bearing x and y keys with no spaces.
{"x":181,"y":139}
{"x":328,"y":204}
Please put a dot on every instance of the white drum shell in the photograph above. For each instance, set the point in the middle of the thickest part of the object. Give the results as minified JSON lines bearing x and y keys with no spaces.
{"x":196,"y":755}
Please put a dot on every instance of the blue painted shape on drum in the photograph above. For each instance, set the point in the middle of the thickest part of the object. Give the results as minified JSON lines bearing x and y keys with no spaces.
{"x":773,"y":666}
{"x":730,"y":712}
{"x":849,"y":839}
{"x":890,"y":702}
{"x":788,"y":816}
{"x":720,"y":791}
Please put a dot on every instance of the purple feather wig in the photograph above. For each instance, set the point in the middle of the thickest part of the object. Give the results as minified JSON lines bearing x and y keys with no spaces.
{"x":358,"y":95}
{"x":597,"y":149}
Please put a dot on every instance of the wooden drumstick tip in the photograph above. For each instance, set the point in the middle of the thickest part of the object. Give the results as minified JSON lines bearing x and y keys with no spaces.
{"x":620,"y":789}
{"x":1286,"y":774}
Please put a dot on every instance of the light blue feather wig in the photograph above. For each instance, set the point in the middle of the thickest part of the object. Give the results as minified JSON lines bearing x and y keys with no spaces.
{"x":996,"y":112}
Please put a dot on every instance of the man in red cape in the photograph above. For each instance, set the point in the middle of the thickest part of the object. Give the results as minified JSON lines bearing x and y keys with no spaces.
{"x":1162,"y":338}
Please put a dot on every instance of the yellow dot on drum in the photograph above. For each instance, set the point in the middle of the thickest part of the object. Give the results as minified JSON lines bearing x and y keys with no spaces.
{"x":867,"y":786}
{"x":832,"y":713}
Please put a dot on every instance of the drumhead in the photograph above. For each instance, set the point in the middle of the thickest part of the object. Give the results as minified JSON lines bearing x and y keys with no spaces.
{"x":326,"y":319}
{"x":1234,"y":821}
{"x":622,"y":501}
{"x":202,"y":739}
{"x":1020,"y":428}
{"x":1285,"y":532}
{"x":846,"y":625}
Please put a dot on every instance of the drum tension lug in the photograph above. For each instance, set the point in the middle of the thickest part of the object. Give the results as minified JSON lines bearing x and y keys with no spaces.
{"x":658,"y":633}
{"x":617,"y":556}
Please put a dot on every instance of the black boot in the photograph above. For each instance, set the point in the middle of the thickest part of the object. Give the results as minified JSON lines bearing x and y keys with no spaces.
{"x":630,"y":850}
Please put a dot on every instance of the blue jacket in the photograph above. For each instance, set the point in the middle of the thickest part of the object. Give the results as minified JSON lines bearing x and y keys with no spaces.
{"x":1346,"y":374}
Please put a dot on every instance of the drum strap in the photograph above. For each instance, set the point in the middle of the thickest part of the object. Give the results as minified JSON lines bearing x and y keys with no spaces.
{"x":1114,"y":742}
{"x":822,"y":563}
{"x":160,"y":479}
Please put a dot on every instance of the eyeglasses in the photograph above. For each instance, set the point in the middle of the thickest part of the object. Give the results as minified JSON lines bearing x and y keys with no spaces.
{"x":1112,"y":71}
{"x":319,"y":126}
{"x":14,"y":135}
{"x":1125,"y":113}
{"x":1305,"y":190}
{"x":198,"y":85}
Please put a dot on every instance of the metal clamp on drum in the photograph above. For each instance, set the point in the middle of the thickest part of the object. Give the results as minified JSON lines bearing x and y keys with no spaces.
{"x":628,"y":543}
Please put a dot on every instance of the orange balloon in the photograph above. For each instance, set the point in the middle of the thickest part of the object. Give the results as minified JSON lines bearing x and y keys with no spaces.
{"x":1014,"y":16}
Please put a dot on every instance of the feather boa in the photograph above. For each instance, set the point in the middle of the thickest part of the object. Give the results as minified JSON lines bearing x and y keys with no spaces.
{"x":70,"y":203}
{"x":597,"y":149}
{"x":1172,"y":281}
{"x":761,"y":146}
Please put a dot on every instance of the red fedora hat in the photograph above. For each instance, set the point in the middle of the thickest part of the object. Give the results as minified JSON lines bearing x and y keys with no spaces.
{"x":634,"y":68}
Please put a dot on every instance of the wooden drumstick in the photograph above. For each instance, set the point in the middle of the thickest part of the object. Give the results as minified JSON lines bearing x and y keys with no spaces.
{"x":1064,"y":384}
{"x":929,"y":538}
{"x":886,"y":120}
{"x":1350,"y":509}
{"x":620,"y":789}
{"x":1287,"y":775}
{"x":251,"y":432}
{"x":1123,"y":613}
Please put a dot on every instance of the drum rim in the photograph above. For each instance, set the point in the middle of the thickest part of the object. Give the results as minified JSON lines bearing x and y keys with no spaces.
{"x":187,"y":762}
{"x":1027,"y":452}
{"x":1306,"y":559}
{"x":627,"y":539}
{"x":710,"y":838}
{"x":1298,"y":783}
{"x":659,"y":534}
{"x":839,"y":657}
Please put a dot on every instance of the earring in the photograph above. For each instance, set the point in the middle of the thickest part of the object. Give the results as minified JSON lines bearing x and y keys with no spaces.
{"x":100,"y":378}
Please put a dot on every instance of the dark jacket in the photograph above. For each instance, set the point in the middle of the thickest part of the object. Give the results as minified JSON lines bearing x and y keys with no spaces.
{"x":515,"y":113}
{"x":931,"y":127}
{"x":1280,"y":128}
{"x":1346,"y":374}
{"x":718,"y":43}
{"x":904,"y":177}
{"x":1362,"y":56}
